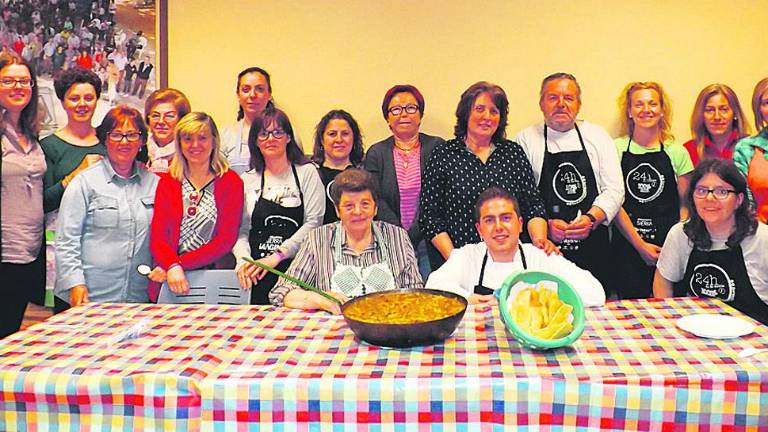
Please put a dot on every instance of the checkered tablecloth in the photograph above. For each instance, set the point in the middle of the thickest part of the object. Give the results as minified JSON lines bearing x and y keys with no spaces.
{"x":237,"y":368}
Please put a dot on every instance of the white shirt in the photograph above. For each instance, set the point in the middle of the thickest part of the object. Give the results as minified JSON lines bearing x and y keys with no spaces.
{"x":461,"y":272}
{"x":234,"y":147}
{"x":602,"y":156}
{"x":160,"y":157}
{"x":677,"y":249}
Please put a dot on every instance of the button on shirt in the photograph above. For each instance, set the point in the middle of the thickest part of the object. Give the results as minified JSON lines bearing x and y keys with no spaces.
{"x":454,"y":179}
{"x":602,"y":156}
{"x":22,"y":196}
{"x":103,"y":234}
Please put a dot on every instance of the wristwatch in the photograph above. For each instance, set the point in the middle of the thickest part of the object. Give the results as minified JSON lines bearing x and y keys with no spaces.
{"x":592,"y":219}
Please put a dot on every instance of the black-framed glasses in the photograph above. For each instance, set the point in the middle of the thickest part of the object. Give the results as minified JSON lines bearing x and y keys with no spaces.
{"x":130,"y":136}
{"x":719,"y":193}
{"x":397,"y":110}
{"x":276,"y":134}
{"x":12,"y":82}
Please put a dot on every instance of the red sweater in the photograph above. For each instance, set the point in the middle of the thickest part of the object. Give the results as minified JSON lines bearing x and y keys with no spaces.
{"x":166,"y":225}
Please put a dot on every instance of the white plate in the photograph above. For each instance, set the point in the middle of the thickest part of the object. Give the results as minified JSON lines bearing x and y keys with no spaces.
{"x":715,"y":326}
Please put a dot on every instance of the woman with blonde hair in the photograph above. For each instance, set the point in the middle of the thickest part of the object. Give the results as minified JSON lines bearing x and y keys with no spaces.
{"x":749,"y":156}
{"x":197,"y":207}
{"x":717,"y":123}
{"x":655,"y":170}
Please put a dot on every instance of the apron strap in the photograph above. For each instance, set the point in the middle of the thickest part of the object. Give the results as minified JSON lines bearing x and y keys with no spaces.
{"x":295,"y":179}
{"x":578,"y":132}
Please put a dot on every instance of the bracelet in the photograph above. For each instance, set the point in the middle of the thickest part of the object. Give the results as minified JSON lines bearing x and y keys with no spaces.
{"x":592,"y":219}
{"x":280,"y":254}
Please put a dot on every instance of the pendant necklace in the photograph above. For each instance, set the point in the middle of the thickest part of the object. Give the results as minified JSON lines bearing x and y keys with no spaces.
{"x":405,"y":153}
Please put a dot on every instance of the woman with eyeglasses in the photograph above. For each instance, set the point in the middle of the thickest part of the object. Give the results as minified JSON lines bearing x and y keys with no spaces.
{"x":399,"y":162}
{"x":254,"y":94}
{"x":717,"y":123}
{"x":102,"y":234}
{"x":22,"y":254}
{"x":198,"y":206}
{"x":720,"y":251}
{"x":74,"y":147}
{"x":656,"y":171}
{"x":162,"y":110}
{"x":284,"y":200}
{"x":751,"y":154}
{"x":338,"y":146}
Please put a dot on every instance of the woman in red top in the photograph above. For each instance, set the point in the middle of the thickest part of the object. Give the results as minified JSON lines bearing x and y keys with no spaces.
{"x":717,"y":123}
{"x":198,"y":206}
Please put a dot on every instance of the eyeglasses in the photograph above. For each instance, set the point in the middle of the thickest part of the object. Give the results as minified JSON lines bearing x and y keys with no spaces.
{"x":169,"y":116}
{"x":22,"y":82}
{"x":719,"y":193}
{"x":397,"y":110}
{"x":130,"y":136}
{"x":276,"y":134}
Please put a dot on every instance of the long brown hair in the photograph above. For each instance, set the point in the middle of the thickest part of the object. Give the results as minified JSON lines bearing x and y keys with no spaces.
{"x":28,"y":120}
{"x":699,"y":128}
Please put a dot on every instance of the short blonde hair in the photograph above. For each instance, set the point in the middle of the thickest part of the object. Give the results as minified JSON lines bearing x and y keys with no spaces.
{"x":757,"y":98}
{"x":195,"y":123}
{"x":699,"y":128}
{"x":625,"y":101}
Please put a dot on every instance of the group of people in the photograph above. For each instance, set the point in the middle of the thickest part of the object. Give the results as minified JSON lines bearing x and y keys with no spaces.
{"x":165,"y":188}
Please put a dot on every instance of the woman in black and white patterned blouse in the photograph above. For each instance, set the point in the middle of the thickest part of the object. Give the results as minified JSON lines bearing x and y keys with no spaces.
{"x":477,"y":158}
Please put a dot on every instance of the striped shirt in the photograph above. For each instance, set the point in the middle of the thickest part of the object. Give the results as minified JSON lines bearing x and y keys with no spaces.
{"x":408,"y":170}
{"x":314,"y":262}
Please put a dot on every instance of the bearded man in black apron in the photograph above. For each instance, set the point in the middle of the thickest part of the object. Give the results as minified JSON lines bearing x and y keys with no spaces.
{"x":578,"y":175}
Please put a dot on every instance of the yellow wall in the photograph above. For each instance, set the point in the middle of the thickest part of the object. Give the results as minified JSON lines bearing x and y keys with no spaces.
{"x":326,"y":54}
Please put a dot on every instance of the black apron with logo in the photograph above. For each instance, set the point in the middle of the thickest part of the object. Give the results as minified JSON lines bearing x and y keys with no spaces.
{"x":482,"y":289}
{"x":328,"y":176}
{"x":271,"y":225}
{"x":722,"y":274}
{"x":653,"y":206}
{"x":568,"y":186}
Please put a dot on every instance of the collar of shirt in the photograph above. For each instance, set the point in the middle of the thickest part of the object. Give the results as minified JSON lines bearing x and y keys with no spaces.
{"x":113,"y":176}
{"x":346,"y":250}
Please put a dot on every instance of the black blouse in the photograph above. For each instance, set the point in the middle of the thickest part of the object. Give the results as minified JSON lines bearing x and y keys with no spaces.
{"x":455,"y":178}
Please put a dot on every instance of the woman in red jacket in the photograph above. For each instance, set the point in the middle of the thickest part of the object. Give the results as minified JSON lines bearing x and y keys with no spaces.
{"x":198,"y":206}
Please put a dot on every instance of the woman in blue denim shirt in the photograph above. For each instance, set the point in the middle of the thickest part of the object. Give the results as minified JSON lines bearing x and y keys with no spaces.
{"x":103,"y":226}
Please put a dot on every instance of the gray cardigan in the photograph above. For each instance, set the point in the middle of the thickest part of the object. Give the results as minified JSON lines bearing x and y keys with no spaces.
{"x":380,"y":162}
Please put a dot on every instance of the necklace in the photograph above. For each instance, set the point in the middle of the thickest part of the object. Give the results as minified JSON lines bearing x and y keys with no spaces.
{"x":405,"y":153}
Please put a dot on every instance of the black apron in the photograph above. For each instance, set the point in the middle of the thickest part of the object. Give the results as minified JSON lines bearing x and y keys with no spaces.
{"x":722,"y":274}
{"x":568,"y":186}
{"x":271,"y":225}
{"x":482,"y":289}
{"x":653,"y":206}
{"x":328,"y":175}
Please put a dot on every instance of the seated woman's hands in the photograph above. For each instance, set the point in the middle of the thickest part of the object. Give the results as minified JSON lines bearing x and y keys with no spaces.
{"x":250,"y":274}
{"x":303,"y":299}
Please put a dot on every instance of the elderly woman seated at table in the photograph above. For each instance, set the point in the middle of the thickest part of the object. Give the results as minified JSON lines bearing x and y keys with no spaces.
{"x":720,"y":251}
{"x":103,"y":226}
{"x":352,"y":257}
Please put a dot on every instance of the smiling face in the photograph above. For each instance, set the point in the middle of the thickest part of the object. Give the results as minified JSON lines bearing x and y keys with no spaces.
{"x":337,"y":141}
{"x":123,"y":144}
{"x":253,"y":94}
{"x":15,"y":98}
{"x":404,"y":125}
{"x":484,"y":117}
{"x":80,"y":103}
{"x":499,"y":227}
{"x":764,"y":106}
{"x":715,"y":212}
{"x":162,"y":119}
{"x":356,"y":210}
{"x":645,"y":108}
{"x":718,"y":115}
{"x":197,"y":147}
{"x":560,"y":103}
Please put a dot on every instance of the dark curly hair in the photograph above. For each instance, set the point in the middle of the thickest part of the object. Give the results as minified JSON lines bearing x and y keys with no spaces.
{"x":746,"y":222}
{"x":354,"y":180}
{"x":76,"y":75}
{"x":499,"y":98}
{"x":318,"y":152}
